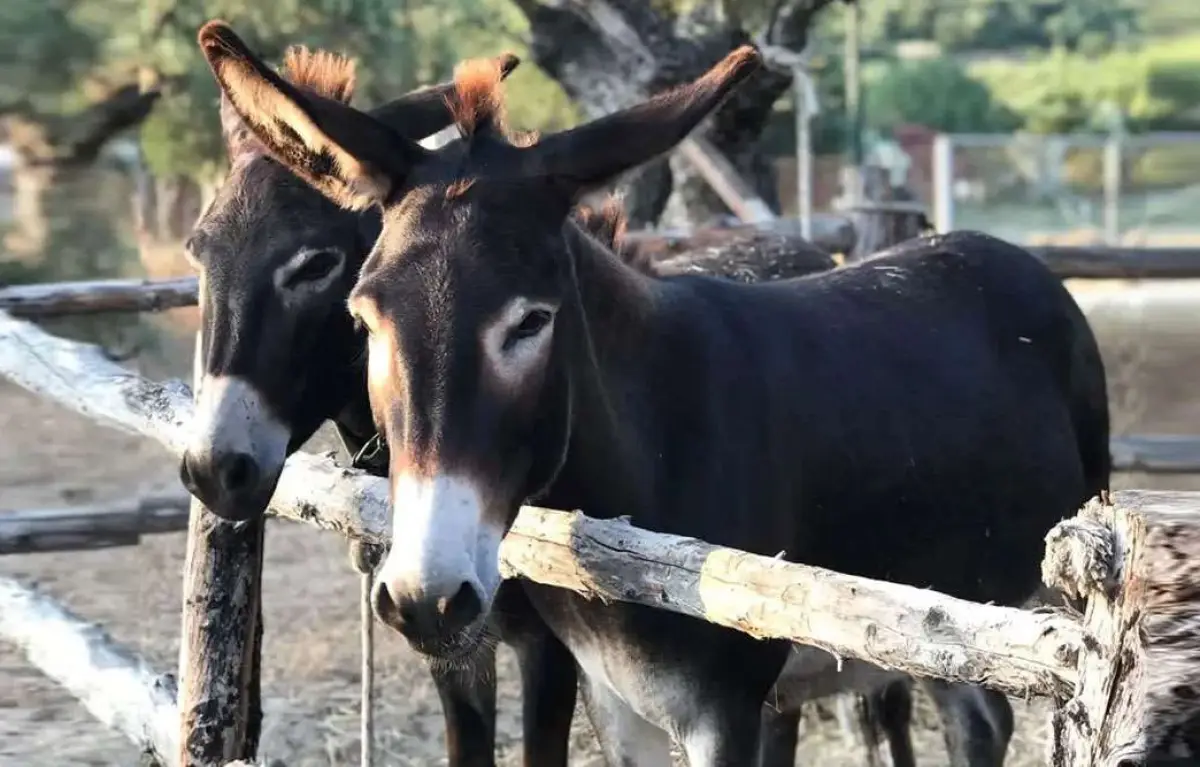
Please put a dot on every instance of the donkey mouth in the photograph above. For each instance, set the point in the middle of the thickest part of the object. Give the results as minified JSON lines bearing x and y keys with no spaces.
{"x":456,"y":650}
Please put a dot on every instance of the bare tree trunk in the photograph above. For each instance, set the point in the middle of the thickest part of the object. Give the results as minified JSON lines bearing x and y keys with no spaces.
{"x":55,"y":155}
{"x":609,"y":54}
{"x":30,"y":232}
{"x":165,"y":210}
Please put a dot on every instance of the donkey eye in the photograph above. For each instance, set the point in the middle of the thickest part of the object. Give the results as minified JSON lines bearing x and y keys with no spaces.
{"x":531,"y":324}
{"x":316,"y":267}
{"x":191,"y":250}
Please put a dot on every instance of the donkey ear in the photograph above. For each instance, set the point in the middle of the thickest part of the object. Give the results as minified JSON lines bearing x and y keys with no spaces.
{"x":422,"y":113}
{"x":239,"y":140}
{"x":352,"y":158}
{"x":594,"y":153}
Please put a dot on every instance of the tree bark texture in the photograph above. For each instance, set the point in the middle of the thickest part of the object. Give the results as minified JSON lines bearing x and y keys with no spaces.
{"x":610,"y":54}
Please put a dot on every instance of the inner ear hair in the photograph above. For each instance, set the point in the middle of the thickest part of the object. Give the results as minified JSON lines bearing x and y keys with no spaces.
{"x":295,"y":127}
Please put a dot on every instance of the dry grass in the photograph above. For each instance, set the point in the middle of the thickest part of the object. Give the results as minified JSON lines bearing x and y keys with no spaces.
{"x":49,"y":456}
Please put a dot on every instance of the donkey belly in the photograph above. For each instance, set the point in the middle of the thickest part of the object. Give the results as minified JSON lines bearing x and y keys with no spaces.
{"x":812,"y":673}
{"x":669,"y":669}
{"x":958,"y":501}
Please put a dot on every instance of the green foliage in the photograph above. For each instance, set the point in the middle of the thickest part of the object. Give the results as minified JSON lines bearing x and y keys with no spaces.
{"x":1064,"y":92}
{"x":937,"y":93}
{"x":829,"y":130}
{"x":44,"y":52}
{"x":399,"y":46}
{"x":57,"y":56}
{"x":960,"y":25}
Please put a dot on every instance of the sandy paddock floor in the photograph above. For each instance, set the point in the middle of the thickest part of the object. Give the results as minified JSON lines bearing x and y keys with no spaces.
{"x":51,"y":457}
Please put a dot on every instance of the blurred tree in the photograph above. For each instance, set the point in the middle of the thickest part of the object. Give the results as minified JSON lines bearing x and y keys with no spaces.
{"x":77,"y":73}
{"x":59,"y":106}
{"x":961,"y":25}
{"x":936,"y":93}
{"x":608,"y":54}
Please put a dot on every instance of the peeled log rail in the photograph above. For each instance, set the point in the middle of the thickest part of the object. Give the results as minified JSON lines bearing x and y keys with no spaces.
{"x":899,"y":627}
{"x":80,"y":377}
{"x":105,"y":296}
{"x":1156,"y":453}
{"x":94,"y":526}
{"x":1120,"y":263}
{"x":98,"y":297}
{"x":1009,"y":648}
{"x":115,"y":685}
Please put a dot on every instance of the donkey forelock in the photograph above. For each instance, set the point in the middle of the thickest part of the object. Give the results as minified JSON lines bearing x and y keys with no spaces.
{"x":477,"y":104}
{"x":325,"y":73}
{"x":607,"y":225}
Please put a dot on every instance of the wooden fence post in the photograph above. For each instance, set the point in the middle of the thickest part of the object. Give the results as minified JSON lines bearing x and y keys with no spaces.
{"x":219,"y":697}
{"x":220,"y":701}
{"x":1137,"y":699}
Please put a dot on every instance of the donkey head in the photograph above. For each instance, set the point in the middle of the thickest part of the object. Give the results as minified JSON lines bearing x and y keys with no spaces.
{"x":277,"y":354}
{"x":470,"y":300}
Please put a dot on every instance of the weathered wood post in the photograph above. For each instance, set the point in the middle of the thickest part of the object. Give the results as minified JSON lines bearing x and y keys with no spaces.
{"x":220,"y":704}
{"x":1137,"y":699}
{"x":886,"y":216}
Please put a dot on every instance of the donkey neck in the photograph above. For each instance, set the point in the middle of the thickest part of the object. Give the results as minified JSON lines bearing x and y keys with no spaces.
{"x":352,"y":416}
{"x":604,"y":472}
{"x":616,"y":299}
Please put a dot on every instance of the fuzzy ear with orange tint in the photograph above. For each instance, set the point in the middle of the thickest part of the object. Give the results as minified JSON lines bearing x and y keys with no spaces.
{"x":240,"y":141}
{"x":422,"y":113}
{"x":353,"y":159}
{"x":594,"y":153}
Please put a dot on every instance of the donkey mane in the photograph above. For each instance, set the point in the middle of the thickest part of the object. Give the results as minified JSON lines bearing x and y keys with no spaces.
{"x":607,"y":225}
{"x":327,"y":74}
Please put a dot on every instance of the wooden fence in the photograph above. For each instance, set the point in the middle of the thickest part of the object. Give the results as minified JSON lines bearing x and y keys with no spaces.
{"x":102,"y":296}
{"x":1125,"y":676}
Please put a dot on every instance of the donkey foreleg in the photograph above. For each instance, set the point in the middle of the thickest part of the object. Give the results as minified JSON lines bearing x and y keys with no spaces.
{"x":779,"y":736}
{"x":977,"y":723}
{"x":548,"y":684}
{"x":625,"y":738}
{"x":468,"y":695}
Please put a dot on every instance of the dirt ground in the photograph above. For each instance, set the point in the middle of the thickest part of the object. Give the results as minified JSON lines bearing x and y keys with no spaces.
{"x":51,"y":457}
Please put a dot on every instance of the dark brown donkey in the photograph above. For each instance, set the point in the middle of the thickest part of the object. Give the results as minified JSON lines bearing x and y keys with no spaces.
{"x":923,"y":417}
{"x":279,"y":356}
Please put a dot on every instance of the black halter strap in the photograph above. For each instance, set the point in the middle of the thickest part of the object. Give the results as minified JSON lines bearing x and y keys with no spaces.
{"x":373,"y":456}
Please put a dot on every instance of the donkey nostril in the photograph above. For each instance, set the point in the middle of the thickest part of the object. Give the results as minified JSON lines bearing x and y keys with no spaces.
{"x":383,"y":604}
{"x":185,"y":475}
{"x":396,"y":613}
{"x":460,"y":610}
{"x":238,"y":472}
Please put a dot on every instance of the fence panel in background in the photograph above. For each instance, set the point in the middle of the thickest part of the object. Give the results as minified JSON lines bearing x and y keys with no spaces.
{"x":1070,"y":189}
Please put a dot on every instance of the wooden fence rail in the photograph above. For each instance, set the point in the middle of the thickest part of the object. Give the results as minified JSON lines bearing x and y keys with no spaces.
{"x":57,"y":299}
{"x":1125,"y":676}
{"x":92,"y":526}
{"x":136,"y":295}
{"x":115,"y":685}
